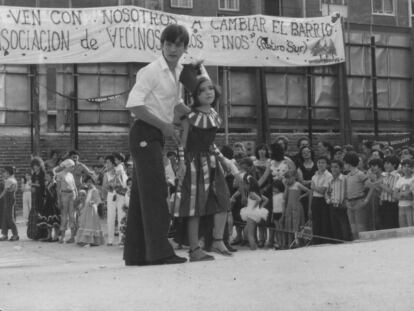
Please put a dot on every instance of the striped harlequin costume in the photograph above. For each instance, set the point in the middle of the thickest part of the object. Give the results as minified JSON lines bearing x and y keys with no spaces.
{"x":204,"y":190}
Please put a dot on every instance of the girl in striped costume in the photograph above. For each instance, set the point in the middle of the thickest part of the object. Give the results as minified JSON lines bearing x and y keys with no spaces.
{"x":204,"y":190}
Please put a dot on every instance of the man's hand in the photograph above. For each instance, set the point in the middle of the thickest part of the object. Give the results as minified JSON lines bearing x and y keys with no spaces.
{"x":168,"y":130}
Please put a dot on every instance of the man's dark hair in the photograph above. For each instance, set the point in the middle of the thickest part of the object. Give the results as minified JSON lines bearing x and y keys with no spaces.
{"x":119,"y":156}
{"x":73,"y":152}
{"x":351,"y":158}
{"x":339,"y":162}
{"x":111,"y":159}
{"x":394,"y":160}
{"x":376,"y":162}
{"x":175,"y":33}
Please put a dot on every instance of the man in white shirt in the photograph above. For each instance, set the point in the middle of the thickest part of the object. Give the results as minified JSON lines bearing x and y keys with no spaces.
{"x":152,"y":101}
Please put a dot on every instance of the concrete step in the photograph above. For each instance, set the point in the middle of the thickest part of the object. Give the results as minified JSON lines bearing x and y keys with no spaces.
{"x":387,"y":233}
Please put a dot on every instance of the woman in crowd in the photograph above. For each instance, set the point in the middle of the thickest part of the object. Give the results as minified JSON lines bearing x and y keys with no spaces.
{"x":306,"y":169}
{"x":38,"y":194}
{"x":48,"y":212}
{"x":262,"y":161}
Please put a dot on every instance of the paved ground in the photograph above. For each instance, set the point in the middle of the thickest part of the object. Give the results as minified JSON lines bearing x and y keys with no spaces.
{"x":359,"y":276}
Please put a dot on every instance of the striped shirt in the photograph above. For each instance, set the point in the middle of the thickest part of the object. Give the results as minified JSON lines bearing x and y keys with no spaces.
{"x":389,"y":180}
{"x":336,"y":190}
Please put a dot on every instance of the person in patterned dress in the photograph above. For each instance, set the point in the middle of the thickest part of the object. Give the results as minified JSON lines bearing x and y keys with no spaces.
{"x":204,"y":189}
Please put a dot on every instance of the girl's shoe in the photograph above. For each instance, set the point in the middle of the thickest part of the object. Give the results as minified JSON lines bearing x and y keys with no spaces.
{"x":198,"y":255}
{"x":14,"y":238}
{"x":261,"y":244}
{"x":3,"y":238}
{"x":219,"y":248}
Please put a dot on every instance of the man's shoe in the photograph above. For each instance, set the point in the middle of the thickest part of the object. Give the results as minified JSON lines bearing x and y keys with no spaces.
{"x":71,"y":240}
{"x":174,"y":259}
{"x":14,"y":238}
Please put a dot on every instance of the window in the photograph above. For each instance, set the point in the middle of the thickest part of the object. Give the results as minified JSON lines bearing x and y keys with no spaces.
{"x":385,"y":7}
{"x":338,"y":2}
{"x":188,"y":4}
{"x":229,"y":5}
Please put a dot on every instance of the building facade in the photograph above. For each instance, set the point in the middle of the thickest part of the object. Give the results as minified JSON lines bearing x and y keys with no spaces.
{"x":47,"y":106}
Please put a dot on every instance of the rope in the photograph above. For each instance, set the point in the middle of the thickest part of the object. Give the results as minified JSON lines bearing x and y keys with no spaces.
{"x":96,"y":100}
{"x":301,"y":233}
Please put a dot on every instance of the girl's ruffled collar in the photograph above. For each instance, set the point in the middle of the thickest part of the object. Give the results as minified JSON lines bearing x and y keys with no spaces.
{"x":204,"y":120}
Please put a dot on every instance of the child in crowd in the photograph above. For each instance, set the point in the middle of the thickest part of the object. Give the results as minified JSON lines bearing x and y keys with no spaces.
{"x":67,"y":194}
{"x":278,"y":200}
{"x":403,"y":191}
{"x":321,"y":222}
{"x":122,"y":227}
{"x":355,"y":197}
{"x":293,"y":217}
{"x":9,"y":195}
{"x":48,"y":213}
{"x":376,"y":167}
{"x":341,"y":229}
{"x":89,"y":231}
{"x":27,"y":195}
{"x":255,"y":211}
{"x":388,"y":209}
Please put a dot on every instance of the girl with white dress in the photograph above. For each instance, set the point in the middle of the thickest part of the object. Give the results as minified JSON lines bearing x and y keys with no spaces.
{"x":255,"y":211}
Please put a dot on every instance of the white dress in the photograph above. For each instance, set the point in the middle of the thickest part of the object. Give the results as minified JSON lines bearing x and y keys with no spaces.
{"x":253,"y":212}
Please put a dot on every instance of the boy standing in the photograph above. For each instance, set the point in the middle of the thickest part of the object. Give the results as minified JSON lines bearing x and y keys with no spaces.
{"x":341,"y":229}
{"x":403,"y":191}
{"x":152,"y":100}
{"x":321,"y":222}
{"x":67,"y":193}
{"x":388,"y":209}
{"x":9,"y":195}
{"x":355,"y":198}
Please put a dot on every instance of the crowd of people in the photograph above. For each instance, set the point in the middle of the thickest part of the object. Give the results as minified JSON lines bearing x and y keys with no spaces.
{"x":63,"y":193}
{"x":273,"y":194}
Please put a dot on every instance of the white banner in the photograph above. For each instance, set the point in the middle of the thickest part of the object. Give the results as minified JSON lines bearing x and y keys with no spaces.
{"x":131,"y":34}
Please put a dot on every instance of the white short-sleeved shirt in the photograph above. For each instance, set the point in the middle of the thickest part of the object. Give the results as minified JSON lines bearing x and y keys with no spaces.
{"x":321,"y":180}
{"x":156,"y":88}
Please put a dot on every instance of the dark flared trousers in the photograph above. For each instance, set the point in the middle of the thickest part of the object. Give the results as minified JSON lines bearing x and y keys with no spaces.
{"x":341,"y":229}
{"x":321,"y":220}
{"x":388,"y":215}
{"x":146,"y":238}
{"x":8,"y":215}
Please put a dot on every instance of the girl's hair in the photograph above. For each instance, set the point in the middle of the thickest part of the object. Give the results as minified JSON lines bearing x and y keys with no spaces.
{"x":173,"y":33}
{"x":260,"y":147}
{"x":196,"y":92}
{"x":278,"y":184}
{"x":227,"y":151}
{"x":277,"y":152}
{"x":38,"y":162}
{"x":253,"y":184}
